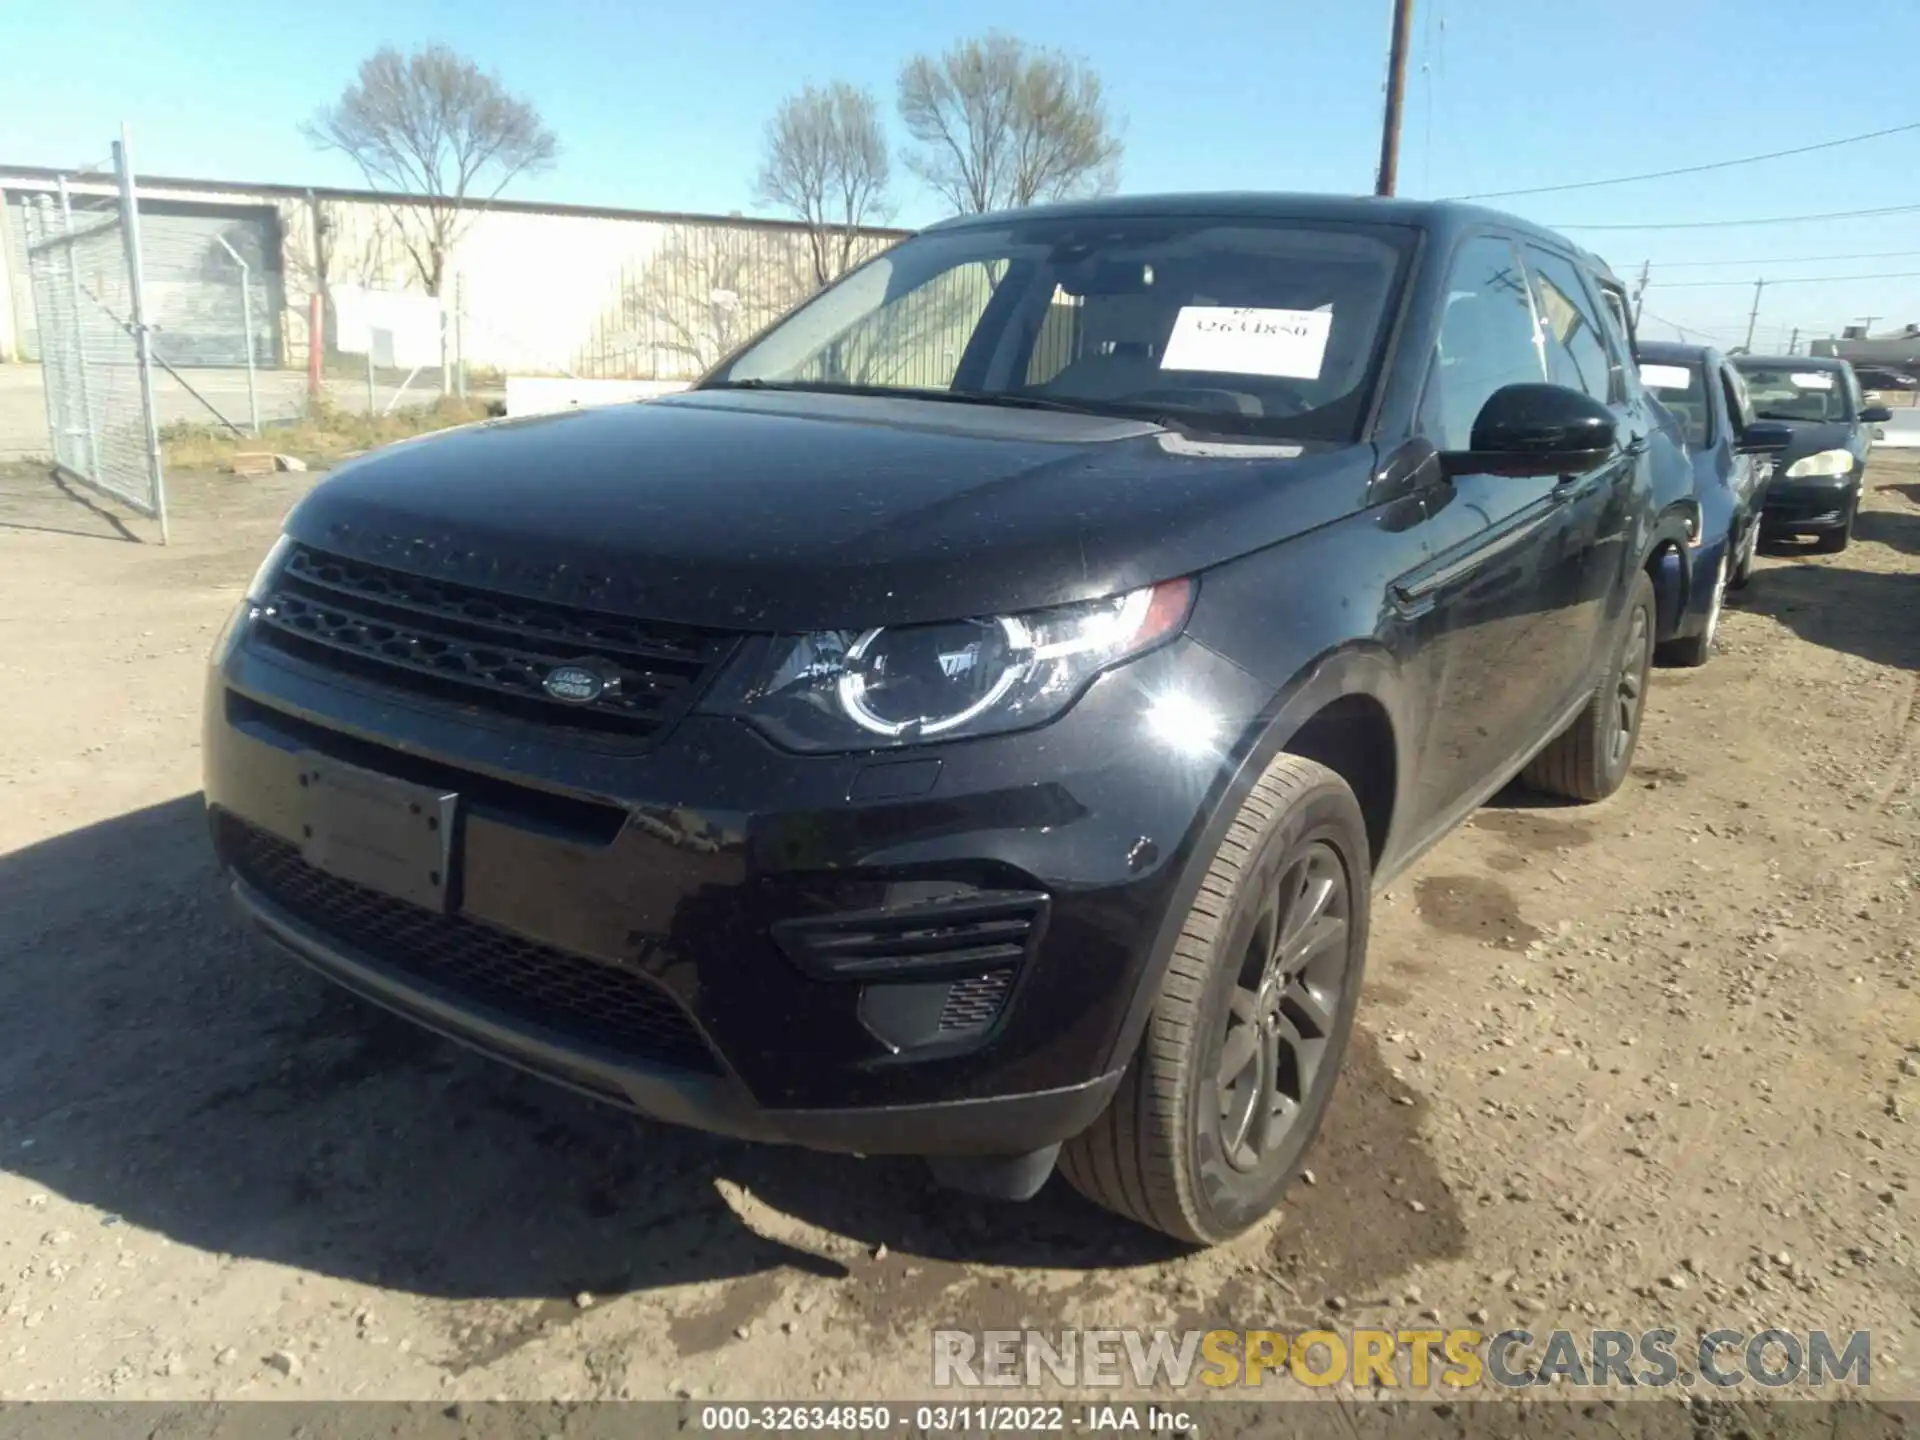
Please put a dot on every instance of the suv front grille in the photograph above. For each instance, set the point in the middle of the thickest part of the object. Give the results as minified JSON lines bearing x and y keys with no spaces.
{"x":572,"y":994}
{"x":483,"y":649}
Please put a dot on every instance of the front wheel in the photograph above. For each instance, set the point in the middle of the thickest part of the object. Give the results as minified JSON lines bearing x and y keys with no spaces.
{"x":1834,"y":541}
{"x":1589,"y":759}
{"x":1695,"y":650}
{"x":1235,"y":1071}
{"x":1743,"y":572}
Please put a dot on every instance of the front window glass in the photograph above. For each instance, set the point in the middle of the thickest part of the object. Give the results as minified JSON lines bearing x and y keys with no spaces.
{"x":1682,"y":388}
{"x":1576,"y":355}
{"x":1788,"y":392}
{"x":1487,"y":341}
{"x":1262,"y":326}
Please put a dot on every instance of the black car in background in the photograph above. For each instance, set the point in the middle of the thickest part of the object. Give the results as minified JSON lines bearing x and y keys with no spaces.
{"x":972,"y":722}
{"x":1708,"y":398}
{"x":1811,"y":418}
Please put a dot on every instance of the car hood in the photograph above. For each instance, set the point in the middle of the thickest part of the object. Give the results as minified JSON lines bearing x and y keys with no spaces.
{"x":1809,"y":437}
{"x":787,"y":511}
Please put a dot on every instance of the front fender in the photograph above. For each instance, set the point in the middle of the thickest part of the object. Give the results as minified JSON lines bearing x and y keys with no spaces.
{"x":1360,"y":669}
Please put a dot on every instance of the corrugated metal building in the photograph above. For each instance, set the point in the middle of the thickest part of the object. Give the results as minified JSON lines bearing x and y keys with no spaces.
{"x":533,"y":288}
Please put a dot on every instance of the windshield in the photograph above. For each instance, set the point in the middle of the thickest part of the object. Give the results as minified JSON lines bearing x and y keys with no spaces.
{"x":1782,"y":393}
{"x":1682,"y":389}
{"x":1257,"y":326}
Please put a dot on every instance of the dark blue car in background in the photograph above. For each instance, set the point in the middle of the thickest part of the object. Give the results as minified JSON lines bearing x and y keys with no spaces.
{"x":1708,"y":400}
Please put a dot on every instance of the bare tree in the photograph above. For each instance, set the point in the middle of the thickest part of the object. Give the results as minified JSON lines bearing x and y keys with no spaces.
{"x":826,"y":161}
{"x":433,"y":124}
{"x":706,"y":291}
{"x":999,"y":123}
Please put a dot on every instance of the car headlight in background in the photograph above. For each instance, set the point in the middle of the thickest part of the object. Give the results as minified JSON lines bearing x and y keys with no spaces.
{"x":898,"y":685}
{"x":1825,"y":463}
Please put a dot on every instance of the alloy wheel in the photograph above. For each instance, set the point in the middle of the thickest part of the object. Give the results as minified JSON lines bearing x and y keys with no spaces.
{"x":1715,"y":604}
{"x":1631,"y":689}
{"x":1282,"y":1012}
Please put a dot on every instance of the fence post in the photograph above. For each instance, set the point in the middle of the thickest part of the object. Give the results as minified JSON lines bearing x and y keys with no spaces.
{"x":142,"y":336}
{"x":460,"y":334}
{"x":246,"y":320}
{"x":316,"y":342}
{"x":79,"y":336}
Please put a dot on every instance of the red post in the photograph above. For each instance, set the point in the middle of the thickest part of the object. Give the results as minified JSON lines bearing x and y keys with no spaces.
{"x":316,"y":343}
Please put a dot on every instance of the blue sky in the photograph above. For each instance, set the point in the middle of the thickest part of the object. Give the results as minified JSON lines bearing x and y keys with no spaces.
{"x":662,"y":107}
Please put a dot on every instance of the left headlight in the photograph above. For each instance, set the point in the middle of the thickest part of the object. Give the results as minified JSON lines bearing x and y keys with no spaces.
{"x":1823,"y":463}
{"x":899,"y":685}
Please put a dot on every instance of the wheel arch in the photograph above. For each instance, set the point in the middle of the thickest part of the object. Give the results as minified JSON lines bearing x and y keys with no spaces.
{"x":1664,"y":559}
{"x":1347,"y":711}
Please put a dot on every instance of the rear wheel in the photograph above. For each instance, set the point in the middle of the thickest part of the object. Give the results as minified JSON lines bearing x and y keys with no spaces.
{"x":1589,"y":759}
{"x":1235,"y":1071}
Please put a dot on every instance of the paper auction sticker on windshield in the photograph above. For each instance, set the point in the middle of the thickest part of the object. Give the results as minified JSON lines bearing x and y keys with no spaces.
{"x":1291,"y":344}
{"x":1813,"y":380}
{"x":1666,"y":377}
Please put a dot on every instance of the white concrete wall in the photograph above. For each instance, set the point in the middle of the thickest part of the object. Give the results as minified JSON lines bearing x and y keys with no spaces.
{"x":546,"y":292}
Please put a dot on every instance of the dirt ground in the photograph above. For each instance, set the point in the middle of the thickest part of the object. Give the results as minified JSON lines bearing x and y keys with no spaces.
{"x":1653,"y":1061}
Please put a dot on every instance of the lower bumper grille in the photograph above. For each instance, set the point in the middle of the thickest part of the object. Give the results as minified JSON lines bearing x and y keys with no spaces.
{"x":572,"y":994}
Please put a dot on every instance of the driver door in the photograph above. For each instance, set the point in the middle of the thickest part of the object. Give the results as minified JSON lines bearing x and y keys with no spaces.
{"x":1491,"y":605}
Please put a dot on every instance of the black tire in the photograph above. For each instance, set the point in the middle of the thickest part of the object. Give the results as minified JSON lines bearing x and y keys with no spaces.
{"x":1743,"y":572}
{"x":1590,"y":758}
{"x":1165,"y":1151}
{"x":1834,"y":541}
{"x":1693,"y":651}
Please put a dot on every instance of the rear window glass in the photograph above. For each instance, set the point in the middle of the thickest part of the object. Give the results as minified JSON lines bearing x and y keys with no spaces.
{"x":1682,"y":389}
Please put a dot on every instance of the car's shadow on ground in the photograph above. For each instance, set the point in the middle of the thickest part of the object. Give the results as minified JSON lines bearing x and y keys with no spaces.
{"x":1869,"y":613}
{"x":1897,"y":529}
{"x":156,"y":1065}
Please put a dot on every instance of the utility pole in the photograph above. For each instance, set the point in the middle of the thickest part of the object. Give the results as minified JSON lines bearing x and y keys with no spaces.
{"x":1640,"y":290}
{"x":1793,"y":345}
{"x":1396,"y":92}
{"x":1758,"y":286}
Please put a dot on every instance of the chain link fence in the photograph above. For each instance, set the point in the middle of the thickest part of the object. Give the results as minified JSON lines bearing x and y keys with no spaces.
{"x":84,"y":272}
{"x":705,"y":291}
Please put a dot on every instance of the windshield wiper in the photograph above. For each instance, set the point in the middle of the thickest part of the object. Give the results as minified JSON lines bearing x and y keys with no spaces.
{"x":1016,"y":400}
{"x":1005,"y":398}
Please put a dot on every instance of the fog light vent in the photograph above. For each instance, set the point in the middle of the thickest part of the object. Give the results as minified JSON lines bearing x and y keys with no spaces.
{"x":976,"y":1001}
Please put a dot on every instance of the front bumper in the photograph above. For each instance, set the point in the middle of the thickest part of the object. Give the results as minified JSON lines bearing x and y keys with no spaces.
{"x":1803,"y":507}
{"x":689,"y":886}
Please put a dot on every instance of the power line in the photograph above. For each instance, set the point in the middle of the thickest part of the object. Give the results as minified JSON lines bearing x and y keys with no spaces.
{"x":1694,"y":169}
{"x":1788,"y":280}
{"x":1782,"y":260}
{"x":1683,"y":330}
{"x":1770,"y":220}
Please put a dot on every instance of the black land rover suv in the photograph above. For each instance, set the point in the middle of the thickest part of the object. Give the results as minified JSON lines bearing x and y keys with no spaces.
{"x":972,"y":721}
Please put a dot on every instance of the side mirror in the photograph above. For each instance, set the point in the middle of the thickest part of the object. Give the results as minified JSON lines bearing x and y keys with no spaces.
{"x":1763,"y":436}
{"x":1533,"y":429}
{"x":1875,"y":415}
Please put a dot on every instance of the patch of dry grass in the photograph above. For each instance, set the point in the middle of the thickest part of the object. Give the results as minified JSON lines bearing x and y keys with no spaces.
{"x":326,"y":435}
